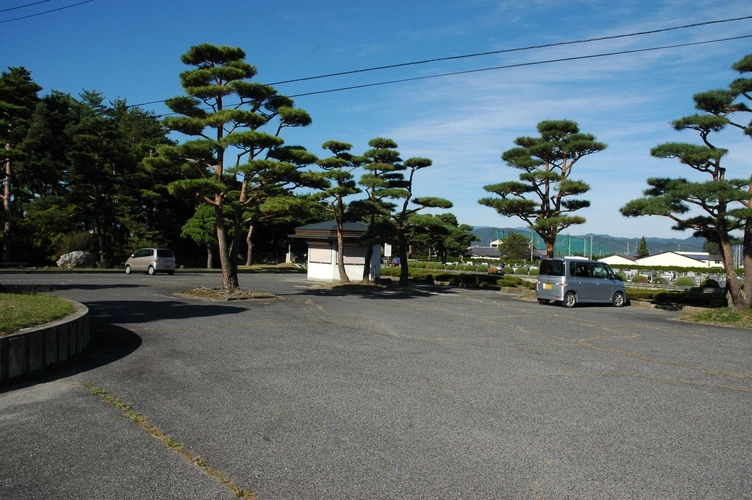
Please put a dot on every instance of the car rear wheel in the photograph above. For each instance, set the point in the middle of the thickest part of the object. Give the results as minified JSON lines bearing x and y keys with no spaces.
{"x":618,"y":300}
{"x":570,"y":299}
{"x":151,"y":270}
{"x":543,"y":301}
{"x":128,"y":270}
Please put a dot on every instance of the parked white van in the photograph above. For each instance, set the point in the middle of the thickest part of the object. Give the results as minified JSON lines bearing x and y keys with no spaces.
{"x":573,"y":280}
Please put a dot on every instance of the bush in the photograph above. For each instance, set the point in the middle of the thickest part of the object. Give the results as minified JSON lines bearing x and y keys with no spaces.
{"x":684,"y":281}
{"x":692,"y":297}
{"x":417,"y":265}
{"x":482,"y":268}
{"x":660,"y":281}
{"x":521,"y":270}
{"x":710,"y":284}
{"x":534,"y":271}
{"x":467,"y":267}
{"x":509,"y":270}
{"x":514,"y":282}
{"x":621,"y":277}
{"x":640,"y":279}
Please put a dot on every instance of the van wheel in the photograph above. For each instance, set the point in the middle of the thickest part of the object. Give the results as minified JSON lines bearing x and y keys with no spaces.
{"x":543,"y":301}
{"x":570,"y":299}
{"x":618,"y":300}
{"x":127,"y":269}
{"x":151,"y":270}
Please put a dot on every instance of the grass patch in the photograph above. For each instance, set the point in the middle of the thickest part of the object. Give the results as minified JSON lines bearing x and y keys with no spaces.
{"x":218,"y":294}
{"x":19,"y":311}
{"x":722,"y":316}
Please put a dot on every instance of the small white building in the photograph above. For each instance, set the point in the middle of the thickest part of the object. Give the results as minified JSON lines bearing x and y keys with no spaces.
{"x":322,"y":251}
{"x":681,"y":259}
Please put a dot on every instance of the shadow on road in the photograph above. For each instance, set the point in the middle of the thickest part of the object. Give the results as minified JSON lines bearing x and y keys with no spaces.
{"x":109,"y":343}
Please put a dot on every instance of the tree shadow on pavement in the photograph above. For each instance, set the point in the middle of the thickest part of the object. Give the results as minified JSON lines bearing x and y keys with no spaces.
{"x":378,"y":292}
{"x":143,"y":311}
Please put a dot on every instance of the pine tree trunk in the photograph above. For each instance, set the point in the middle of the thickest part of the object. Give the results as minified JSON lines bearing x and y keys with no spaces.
{"x":732,"y":283}
{"x":367,"y":267}
{"x":209,"y":255}
{"x":404,"y":271}
{"x":343,"y":278}
{"x":249,"y":252}
{"x":229,"y":272}
{"x":8,"y":222}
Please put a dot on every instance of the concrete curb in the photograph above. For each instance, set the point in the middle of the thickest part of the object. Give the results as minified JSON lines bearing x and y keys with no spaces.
{"x":35,"y":350}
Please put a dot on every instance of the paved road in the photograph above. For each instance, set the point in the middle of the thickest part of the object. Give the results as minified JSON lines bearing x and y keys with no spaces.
{"x":319,"y":394}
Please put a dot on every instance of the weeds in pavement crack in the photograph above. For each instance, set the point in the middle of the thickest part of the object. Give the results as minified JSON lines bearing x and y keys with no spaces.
{"x":199,"y":462}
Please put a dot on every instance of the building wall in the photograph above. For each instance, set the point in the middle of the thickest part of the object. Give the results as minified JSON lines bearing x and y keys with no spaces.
{"x":322,"y":261}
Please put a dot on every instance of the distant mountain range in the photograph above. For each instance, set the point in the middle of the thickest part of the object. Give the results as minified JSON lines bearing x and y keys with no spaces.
{"x":602,"y":244}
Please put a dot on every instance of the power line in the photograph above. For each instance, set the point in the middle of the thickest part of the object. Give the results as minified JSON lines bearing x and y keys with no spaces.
{"x":45,"y":12}
{"x":495,"y":68}
{"x":24,"y":6}
{"x":520,"y":65}
{"x":506,"y":51}
{"x":572,"y":42}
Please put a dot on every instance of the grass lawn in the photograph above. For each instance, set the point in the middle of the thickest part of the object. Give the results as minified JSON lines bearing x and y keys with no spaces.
{"x":722,"y":316}
{"x":24,"y":310}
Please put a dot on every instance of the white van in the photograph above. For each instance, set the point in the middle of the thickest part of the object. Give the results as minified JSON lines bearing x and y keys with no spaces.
{"x":573,"y":280}
{"x":151,"y":260}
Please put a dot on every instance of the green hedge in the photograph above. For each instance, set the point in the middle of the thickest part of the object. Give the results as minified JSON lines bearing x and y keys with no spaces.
{"x":692,"y":297}
{"x":466,"y":280}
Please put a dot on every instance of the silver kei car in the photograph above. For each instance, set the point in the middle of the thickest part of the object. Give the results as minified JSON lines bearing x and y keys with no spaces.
{"x":151,"y":260}
{"x":573,"y":280}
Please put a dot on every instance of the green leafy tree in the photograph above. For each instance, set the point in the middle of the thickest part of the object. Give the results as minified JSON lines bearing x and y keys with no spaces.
{"x":713,"y":208}
{"x":545,"y":195}
{"x":227,"y":116}
{"x":515,"y":246}
{"x":735,"y":105}
{"x":398,"y":189}
{"x":18,"y":98}
{"x":338,"y":171}
{"x":382,"y":163}
{"x":642,"y":249}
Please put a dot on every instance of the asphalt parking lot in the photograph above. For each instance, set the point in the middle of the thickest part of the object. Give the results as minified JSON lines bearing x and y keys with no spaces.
{"x":322,"y":394}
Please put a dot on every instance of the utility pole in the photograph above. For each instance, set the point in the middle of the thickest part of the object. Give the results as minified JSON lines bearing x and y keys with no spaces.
{"x":591,"y":247}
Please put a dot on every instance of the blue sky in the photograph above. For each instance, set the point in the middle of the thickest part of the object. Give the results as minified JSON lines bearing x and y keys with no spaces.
{"x":464,"y":122}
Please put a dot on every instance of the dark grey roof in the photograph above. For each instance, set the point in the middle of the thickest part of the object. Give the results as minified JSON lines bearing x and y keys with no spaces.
{"x":490,"y":252}
{"x":327,"y":230}
{"x":331,"y":225}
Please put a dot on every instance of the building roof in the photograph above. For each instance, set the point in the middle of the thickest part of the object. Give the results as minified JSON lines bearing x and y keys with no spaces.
{"x":487,"y":252}
{"x":327,"y":230}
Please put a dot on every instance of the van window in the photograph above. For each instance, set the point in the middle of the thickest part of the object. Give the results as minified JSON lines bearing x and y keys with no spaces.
{"x":582,"y":269}
{"x":552,"y":267}
{"x":164,"y":253}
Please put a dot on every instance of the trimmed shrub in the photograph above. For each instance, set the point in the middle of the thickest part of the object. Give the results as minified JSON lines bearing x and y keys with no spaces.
{"x":639,"y":279}
{"x":509,"y":270}
{"x":534,"y":271}
{"x":660,"y":281}
{"x":521,"y":270}
{"x":482,"y":268}
{"x":710,"y":284}
{"x":684,"y":281}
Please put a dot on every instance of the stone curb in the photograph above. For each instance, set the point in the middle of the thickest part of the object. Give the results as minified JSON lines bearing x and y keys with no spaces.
{"x":34,"y":350}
